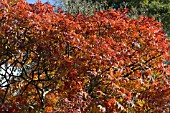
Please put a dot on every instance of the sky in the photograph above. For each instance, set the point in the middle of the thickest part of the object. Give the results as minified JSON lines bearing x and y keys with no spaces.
{"x":43,"y":1}
{"x":57,"y":4}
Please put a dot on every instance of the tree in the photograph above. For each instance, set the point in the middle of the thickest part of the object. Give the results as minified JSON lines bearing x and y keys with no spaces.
{"x":81,"y":6}
{"x":158,"y":8}
{"x":57,"y":62}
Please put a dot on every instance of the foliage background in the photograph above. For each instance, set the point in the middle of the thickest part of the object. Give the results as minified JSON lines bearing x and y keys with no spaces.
{"x":103,"y":61}
{"x":160,"y":9}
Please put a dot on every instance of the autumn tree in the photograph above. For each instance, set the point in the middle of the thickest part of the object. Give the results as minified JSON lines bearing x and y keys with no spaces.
{"x":57,"y":62}
{"x":158,"y":8}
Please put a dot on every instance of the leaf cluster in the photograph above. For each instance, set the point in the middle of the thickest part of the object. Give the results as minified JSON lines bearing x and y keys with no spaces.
{"x":158,"y":8}
{"x":58,"y":62}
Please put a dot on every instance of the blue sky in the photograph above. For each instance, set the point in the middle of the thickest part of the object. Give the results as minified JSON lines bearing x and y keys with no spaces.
{"x":43,"y":1}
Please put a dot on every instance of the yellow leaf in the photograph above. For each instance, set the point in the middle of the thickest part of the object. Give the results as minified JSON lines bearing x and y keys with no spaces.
{"x":141,"y":102}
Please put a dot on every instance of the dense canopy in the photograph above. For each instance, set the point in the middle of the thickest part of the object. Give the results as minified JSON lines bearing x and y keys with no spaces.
{"x":56,"y":62}
{"x":160,"y":9}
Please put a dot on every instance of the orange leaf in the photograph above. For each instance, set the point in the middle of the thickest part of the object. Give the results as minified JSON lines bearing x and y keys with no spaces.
{"x":111,"y":101}
{"x":48,"y":109}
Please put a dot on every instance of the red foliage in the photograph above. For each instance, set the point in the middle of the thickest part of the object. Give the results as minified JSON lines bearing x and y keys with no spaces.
{"x":57,"y":62}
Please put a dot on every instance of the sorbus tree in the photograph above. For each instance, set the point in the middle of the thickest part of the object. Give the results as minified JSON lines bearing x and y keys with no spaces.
{"x":56,"y":62}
